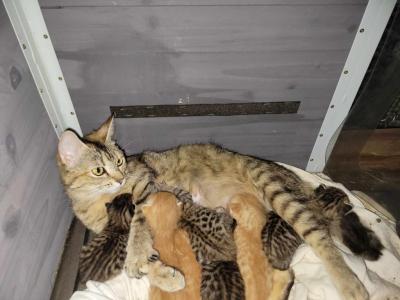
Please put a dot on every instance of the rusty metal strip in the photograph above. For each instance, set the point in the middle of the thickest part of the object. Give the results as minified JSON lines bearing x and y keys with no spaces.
{"x":215,"y":109}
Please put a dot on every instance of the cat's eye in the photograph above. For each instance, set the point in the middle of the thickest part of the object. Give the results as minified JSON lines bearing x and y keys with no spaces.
{"x":120,"y":161}
{"x":98,"y":171}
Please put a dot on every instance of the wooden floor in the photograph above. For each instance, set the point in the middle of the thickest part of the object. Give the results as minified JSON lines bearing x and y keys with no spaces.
{"x":66,"y":281}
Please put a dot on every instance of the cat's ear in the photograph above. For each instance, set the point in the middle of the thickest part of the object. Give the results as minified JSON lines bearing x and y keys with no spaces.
{"x":104,"y":133}
{"x":70,"y":148}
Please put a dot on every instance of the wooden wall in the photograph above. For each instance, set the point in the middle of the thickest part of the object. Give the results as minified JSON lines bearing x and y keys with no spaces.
{"x":131,"y":52}
{"x":34,"y":213}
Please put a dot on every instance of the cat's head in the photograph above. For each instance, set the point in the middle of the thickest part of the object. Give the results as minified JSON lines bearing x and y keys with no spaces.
{"x":92,"y":165}
{"x":120,"y":211}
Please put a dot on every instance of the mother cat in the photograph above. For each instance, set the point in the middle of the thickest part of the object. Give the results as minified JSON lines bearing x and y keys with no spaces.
{"x":94,"y":171}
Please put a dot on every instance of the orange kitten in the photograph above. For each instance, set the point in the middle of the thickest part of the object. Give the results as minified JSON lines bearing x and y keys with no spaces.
{"x":162,"y":214}
{"x":261,"y":280}
{"x":253,"y":264}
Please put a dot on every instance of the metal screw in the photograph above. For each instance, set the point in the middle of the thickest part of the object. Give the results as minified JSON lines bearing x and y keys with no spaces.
{"x":332,"y":106}
{"x":23,"y":46}
{"x":346,"y":72}
{"x":60,"y":78}
{"x":72,"y":113}
{"x":41,"y":91}
{"x":321,"y":135}
{"x":45,"y":36}
{"x":361,"y":30}
{"x":311,"y":159}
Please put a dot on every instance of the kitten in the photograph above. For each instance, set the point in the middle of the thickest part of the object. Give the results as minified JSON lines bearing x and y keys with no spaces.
{"x":280,"y":241}
{"x":103,"y":257}
{"x":217,"y":173}
{"x":257,"y":273}
{"x":211,"y":236}
{"x":162,"y":214}
{"x":344,"y":224}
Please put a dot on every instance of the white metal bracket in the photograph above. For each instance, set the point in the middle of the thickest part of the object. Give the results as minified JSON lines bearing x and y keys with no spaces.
{"x":372,"y":26}
{"x":30,"y":28}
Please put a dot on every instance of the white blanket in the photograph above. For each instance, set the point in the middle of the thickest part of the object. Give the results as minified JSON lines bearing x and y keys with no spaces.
{"x":381,"y":278}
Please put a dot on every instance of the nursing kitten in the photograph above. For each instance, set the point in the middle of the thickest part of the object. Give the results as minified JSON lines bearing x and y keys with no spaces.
{"x":103,"y":257}
{"x":211,"y":236}
{"x":344,"y":224}
{"x":218,"y":174}
{"x":163,"y":214}
{"x":257,"y":273}
{"x":280,"y":241}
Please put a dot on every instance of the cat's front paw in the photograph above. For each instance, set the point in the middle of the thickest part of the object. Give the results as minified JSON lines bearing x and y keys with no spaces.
{"x":137,"y":264}
{"x":136,"y":267}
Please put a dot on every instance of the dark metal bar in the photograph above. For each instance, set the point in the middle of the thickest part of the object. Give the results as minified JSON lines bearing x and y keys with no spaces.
{"x":215,"y":109}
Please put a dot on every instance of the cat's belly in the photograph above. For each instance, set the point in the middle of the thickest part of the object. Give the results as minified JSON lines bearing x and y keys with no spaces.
{"x":218,"y":194}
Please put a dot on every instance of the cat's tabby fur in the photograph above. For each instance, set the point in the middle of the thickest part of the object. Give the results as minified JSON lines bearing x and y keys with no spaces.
{"x":216,"y":173}
{"x":104,"y":256}
{"x":211,"y":236}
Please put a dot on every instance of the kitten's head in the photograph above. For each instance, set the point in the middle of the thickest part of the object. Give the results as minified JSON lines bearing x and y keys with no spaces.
{"x":162,"y":211}
{"x":93,"y":165}
{"x":120,"y":212}
{"x":248,"y":211}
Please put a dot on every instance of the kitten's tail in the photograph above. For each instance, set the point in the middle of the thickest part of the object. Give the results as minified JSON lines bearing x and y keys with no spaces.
{"x":359,"y":239}
{"x":346,"y":225}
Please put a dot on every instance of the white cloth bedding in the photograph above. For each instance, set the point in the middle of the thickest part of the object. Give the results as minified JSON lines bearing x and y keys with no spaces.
{"x":381,"y":278}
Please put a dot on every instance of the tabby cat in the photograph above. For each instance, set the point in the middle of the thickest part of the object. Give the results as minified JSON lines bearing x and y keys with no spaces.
{"x":95,"y":171}
{"x":103,"y":257}
{"x":211,"y":236}
{"x":258,"y":275}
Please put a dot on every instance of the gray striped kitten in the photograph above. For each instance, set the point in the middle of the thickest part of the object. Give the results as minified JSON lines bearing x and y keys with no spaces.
{"x":211,"y":237}
{"x":280,"y":241}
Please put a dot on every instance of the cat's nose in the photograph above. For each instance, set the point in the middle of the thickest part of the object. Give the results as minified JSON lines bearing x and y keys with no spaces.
{"x":121,"y":181}
{"x":119,"y":177}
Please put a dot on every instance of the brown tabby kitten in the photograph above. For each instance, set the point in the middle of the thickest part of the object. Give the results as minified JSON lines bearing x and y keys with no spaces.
{"x":344,"y":224}
{"x":103,"y":257}
{"x":280,"y":241}
{"x":211,"y":236}
{"x":216,"y":173}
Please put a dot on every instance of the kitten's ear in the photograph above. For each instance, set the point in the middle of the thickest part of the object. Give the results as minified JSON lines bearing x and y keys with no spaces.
{"x":70,"y":148}
{"x":104,"y":133}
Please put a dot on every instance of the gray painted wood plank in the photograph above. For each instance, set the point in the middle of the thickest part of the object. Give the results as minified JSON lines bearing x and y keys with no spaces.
{"x":55,"y":3}
{"x":178,"y":30}
{"x":203,"y":54}
{"x":34,"y":212}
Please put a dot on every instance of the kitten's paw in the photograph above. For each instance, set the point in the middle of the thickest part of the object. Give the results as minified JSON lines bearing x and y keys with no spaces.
{"x":167,"y":278}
